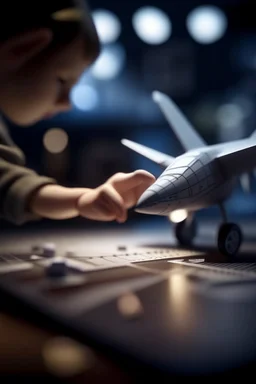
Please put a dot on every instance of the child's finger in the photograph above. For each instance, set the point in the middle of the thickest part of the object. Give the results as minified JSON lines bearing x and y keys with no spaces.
{"x":113,"y":201}
{"x":131,"y":196}
{"x":125,"y":181}
{"x":100,"y":211}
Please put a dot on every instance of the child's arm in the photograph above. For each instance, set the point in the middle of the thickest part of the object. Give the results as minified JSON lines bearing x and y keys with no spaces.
{"x":108,"y":202}
{"x":17,"y":182}
{"x":56,"y":202}
{"x":26,"y":196}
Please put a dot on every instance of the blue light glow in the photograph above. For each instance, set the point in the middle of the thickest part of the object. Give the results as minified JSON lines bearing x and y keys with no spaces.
{"x":152,"y":25}
{"x":207,"y":24}
{"x":110,"y":62}
{"x":84,"y":97}
{"x":107,"y":25}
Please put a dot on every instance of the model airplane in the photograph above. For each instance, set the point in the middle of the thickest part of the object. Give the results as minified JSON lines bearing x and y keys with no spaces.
{"x":204,"y":175}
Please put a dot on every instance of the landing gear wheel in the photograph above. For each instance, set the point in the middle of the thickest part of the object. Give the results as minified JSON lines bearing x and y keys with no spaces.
{"x":229,"y":239}
{"x":185,"y":232}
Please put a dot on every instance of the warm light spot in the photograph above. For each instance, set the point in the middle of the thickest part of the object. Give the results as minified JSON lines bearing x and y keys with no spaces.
{"x":55,"y":140}
{"x":67,"y":14}
{"x":129,"y":305}
{"x":178,"y":216}
{"x":65,"y":357}
{"x":35,"y":257}
{"x":181,"y":307}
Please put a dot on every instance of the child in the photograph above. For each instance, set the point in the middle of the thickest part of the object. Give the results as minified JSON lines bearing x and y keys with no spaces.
{"x":44,"y":48}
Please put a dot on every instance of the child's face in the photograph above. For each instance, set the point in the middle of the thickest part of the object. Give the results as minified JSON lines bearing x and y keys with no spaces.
{"x":41,"y":87}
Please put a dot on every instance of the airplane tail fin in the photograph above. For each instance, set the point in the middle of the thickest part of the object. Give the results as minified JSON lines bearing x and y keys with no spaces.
{"x":183,"y":130}
{"x":157,"y":157}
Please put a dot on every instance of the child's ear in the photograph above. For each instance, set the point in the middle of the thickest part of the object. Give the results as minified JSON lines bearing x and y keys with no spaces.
{"x":21,"y":48}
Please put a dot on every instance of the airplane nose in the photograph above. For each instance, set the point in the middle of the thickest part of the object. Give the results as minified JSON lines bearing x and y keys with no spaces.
{"x":147,"y":203}
{"x":150,"y":201}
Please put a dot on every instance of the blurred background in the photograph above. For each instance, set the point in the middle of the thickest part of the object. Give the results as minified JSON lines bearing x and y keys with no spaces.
{"x":202,"y":55}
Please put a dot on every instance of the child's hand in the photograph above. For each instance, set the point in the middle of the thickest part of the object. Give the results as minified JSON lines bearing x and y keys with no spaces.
{"x":111,"y":200}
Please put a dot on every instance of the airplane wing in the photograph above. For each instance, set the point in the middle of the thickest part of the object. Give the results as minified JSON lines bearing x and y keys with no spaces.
{"x":183,"y":130}
{"x":238,"y":160}
{"x":157,"y":157}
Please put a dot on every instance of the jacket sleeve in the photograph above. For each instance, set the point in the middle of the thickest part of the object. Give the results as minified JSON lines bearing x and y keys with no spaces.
{"x":17,"y":183}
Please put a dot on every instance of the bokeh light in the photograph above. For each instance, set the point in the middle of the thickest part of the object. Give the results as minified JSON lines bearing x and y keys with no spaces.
{"x":152,"y":25}
{"x":84,"y":97}
{"x":55,"y":140}
{"x":206,"y":24}
{"x":110,"y":62}
{"x":178,"y":216}
{"x":107,"y":25}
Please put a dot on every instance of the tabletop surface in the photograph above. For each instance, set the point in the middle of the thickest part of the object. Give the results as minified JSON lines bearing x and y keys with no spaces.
{"x":23,"y":343}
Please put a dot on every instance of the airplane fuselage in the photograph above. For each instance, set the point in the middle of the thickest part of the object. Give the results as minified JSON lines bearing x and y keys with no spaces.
{"x":202,"y":176}
{"x":193,"y":181}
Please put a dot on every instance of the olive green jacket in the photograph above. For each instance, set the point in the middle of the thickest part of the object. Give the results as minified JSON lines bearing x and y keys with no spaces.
{"x":17,"y":182}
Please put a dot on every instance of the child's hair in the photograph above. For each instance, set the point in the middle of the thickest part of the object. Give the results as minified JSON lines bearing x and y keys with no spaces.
{"x":65,"y":18}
